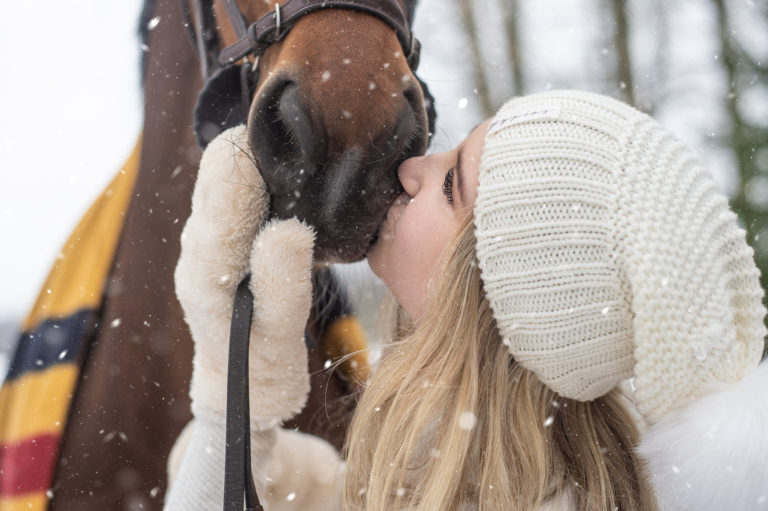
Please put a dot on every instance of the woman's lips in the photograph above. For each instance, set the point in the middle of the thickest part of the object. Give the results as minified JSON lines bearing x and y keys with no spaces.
{"x":389,"y":228}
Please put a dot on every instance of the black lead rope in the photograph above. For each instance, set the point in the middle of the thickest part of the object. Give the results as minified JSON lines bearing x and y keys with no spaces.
{"x":238,"y":477}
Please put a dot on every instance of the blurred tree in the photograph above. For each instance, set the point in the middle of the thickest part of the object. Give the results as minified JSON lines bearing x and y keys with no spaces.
{"x":621,"y":45}
{"x":659,"y":66}
{"x":478,"y":68}
{"x":747,"y":138}
{"x":511,"y":11}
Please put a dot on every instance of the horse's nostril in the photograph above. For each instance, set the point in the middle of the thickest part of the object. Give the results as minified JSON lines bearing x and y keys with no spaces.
{"x":280,"y":131}
{"x":278,"y":114}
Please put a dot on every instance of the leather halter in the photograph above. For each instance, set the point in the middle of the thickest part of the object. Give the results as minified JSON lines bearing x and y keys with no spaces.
{"x":275,"y":25}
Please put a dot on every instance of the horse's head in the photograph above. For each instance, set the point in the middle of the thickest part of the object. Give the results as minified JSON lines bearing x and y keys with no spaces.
{"x":335,"y":110}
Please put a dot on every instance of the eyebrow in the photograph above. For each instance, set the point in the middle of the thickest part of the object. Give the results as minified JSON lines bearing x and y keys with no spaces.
{"x":460,"y":176}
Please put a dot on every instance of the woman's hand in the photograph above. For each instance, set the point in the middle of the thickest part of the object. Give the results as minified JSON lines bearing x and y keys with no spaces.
{"x":224,"y":239}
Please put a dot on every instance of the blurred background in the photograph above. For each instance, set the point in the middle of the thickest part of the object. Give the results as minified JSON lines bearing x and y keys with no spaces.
{"x":70,"y":105}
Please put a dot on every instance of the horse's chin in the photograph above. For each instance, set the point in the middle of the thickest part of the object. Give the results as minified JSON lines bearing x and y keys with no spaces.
{"x":374,"y":239}
{"x":345,"y":254}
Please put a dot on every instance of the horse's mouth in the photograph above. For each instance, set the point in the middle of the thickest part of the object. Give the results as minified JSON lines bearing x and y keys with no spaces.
{"x":374,"y":239}
{"x":354,"y":242}
{"x":411,"y":149}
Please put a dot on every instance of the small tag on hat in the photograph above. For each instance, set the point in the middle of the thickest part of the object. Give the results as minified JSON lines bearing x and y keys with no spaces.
{"x":549,"y":113}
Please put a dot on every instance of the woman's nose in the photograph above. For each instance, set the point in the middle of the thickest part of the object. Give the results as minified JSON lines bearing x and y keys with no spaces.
{"x":411,"y":173}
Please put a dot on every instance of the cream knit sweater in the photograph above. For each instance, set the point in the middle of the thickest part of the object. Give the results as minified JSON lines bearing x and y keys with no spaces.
{"x":293,"y":471}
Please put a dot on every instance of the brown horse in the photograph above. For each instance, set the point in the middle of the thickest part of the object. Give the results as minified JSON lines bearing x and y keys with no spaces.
{"x":335,"y":108}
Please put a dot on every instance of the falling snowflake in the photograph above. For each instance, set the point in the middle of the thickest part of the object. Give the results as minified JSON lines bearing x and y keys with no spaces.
{"x":467,"y":421}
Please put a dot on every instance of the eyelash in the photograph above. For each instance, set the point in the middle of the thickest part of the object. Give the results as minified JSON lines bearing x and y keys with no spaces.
{"x":448,"y":186}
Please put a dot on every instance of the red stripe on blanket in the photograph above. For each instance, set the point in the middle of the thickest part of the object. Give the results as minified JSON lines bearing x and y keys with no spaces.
{"x":27,"y":466}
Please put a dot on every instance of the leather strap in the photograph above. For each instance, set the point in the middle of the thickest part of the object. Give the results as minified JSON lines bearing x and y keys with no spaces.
{"x":238,"y":477}
{"x":202,"y":34}
{"x":236,"y":18}
{"x":265,"y":31}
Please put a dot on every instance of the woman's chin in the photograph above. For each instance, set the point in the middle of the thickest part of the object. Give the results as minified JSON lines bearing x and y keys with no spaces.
{"x":374,"y":257}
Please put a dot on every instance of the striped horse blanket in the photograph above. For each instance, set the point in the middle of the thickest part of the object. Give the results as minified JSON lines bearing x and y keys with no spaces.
{"x":43,"y":373}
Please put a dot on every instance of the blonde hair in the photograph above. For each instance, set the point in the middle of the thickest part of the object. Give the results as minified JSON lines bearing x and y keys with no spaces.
{"x":450,"y":421}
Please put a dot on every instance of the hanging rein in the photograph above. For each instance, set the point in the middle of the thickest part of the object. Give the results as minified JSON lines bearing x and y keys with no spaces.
{"x":218,"y":69}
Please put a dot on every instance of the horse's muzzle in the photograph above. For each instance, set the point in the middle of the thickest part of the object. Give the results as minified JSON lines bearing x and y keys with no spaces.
{"x":341,"y":181}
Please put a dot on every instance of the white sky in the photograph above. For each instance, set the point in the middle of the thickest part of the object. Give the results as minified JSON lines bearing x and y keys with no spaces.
{"x":69,"y":115}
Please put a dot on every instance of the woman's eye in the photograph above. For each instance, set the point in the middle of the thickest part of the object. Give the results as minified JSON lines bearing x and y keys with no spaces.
{"x":448,"y":186}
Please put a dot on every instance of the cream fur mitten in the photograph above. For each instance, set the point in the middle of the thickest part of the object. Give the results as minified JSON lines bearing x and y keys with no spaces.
{"x":222,"y":241}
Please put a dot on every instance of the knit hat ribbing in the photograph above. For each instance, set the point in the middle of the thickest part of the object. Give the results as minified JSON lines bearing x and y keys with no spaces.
{"x":607,"y":253}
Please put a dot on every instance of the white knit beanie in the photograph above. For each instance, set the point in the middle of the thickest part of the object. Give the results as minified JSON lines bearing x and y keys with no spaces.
{"x":607,"y":254}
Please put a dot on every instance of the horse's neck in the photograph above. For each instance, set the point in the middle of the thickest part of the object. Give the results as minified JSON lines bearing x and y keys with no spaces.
{"x":171,"y":82}
{"x":148,"y":340}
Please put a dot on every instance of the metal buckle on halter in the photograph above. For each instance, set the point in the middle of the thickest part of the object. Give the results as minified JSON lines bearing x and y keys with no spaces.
{"x":277,"y":21}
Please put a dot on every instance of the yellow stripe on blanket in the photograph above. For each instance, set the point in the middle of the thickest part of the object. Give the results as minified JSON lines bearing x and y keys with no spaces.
{"x":78,"y":275}
{"x":37,"y":500}
{"x":38,"y":402}
{"x":344,"y":341}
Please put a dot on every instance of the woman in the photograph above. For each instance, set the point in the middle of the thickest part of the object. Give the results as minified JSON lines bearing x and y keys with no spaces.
{"x":569,"y":276}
